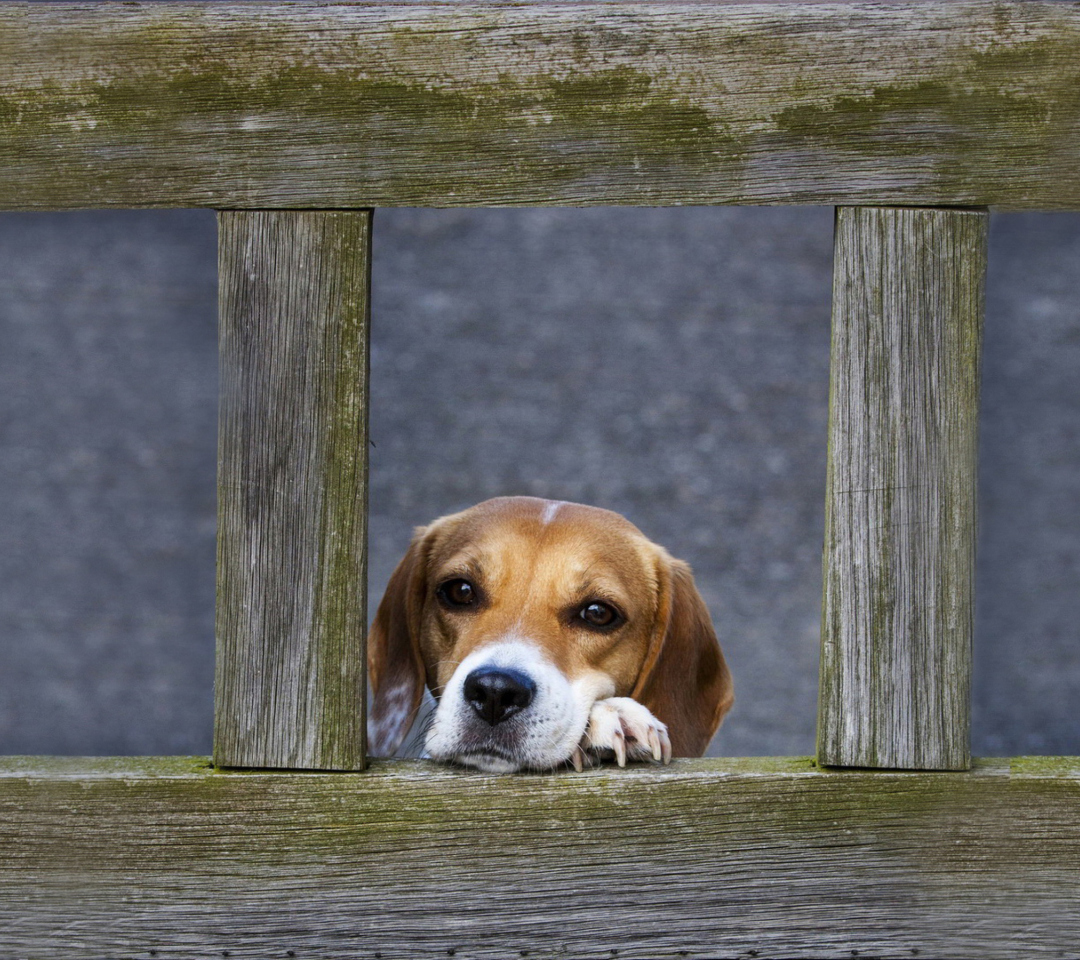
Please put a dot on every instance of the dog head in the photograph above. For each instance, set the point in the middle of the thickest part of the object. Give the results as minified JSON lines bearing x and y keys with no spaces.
{"x":519,"y":614}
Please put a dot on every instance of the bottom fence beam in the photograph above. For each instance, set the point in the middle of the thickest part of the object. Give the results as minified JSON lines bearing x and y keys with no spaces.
{"x":145,"y":857}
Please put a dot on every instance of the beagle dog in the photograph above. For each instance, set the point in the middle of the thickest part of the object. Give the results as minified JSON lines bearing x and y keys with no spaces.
{"x":550,"y":633}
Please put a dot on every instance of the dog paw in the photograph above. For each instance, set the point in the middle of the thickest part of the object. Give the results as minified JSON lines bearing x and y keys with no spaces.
{"x":625,"y":728}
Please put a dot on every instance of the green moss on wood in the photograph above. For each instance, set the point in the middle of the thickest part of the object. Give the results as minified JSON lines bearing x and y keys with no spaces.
{"x":618,"y":113}
{"x":984,"y":99}
{"x":104,"y":768}
{"x":426,"y":774}
{"x":1054,"y":768}
{"x":518,"y":104}
{"x":340,"y":605}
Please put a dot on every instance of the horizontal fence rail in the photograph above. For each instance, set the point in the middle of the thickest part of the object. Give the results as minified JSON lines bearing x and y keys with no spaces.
{"x":712,"y":858}
{"x":918,"y":102}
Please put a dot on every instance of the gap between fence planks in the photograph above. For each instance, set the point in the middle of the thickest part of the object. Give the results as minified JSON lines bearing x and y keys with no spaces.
{"x":292,"y":489}
{"x":292,"y":105}
{"x":899,"y":559}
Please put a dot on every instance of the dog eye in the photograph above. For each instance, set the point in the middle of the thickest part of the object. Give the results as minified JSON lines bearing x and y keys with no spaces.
{"x":598,"y":614}
{"x":457,"y":593}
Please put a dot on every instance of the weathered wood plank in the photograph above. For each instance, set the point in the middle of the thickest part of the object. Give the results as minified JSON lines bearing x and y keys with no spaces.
{"x":710,"y":859}
{"x":899,"y":553}
{"x":917,"y":102}
{"x":292,"y":489}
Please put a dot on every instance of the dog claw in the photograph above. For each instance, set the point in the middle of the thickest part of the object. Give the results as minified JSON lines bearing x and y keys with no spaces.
{"x":577,"y":758}
{"x":654,"y":744}
{"x":665,"y":746}
{"x":618,"y":744}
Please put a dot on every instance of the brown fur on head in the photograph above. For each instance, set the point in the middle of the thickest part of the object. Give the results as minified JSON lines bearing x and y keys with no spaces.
{"x":537,"y":573}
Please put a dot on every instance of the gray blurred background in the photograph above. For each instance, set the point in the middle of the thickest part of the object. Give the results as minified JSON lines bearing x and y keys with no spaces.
{"x":669,"y":364}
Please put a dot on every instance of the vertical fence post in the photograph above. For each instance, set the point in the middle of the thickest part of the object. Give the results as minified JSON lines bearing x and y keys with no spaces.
{"x":292,"y":489}
{"x":899,"y":557}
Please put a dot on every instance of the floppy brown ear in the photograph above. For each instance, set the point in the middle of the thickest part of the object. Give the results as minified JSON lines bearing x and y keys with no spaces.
{"x":685,"y":681}
{"x":395,"y":666}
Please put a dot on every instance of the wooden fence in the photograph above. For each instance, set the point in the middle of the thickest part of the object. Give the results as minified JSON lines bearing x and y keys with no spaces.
{"x":295,"y":120}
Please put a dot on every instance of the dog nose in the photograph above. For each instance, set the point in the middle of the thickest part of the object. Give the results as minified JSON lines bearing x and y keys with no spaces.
{"x":496,"y":694}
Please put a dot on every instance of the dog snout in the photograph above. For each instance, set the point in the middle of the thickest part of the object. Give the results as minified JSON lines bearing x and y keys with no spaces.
{"x":497,"y":693}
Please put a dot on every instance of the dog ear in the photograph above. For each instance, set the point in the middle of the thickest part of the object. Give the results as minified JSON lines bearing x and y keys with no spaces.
{"x":685,"y":681}
{"x":395,"y":666}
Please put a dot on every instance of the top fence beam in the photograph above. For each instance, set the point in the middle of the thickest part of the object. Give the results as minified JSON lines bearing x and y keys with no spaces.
{"x":917,"y":102}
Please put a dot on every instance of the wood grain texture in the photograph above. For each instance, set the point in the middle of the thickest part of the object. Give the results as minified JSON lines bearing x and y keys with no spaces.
{"x":292,"y":489}
{"x":899,"y":555}
{"x":917,"y":102}
{"x":714,"y":858}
